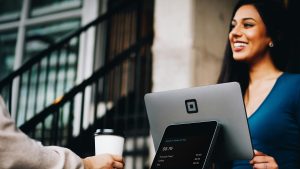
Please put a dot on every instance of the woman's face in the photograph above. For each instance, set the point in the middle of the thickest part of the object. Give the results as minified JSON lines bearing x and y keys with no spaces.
{"x":248,"y":36}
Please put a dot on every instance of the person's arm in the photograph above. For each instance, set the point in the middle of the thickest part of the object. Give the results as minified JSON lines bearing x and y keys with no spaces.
{"x":17,"y":150}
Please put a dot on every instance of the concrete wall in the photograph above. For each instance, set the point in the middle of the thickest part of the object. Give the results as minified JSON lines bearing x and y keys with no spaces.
{"x":190,"y":37}
{"x":173,"y":53}
{"x":211,"y":24}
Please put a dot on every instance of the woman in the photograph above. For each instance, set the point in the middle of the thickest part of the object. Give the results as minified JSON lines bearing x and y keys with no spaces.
{"x":256,"y":57}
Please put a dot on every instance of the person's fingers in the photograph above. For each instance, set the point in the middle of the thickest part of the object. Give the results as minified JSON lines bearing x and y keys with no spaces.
{"x":262,"y":161}
{"x":258,"y":159}
{"x":258,"y":153}
{"x":118,"y":165}
{"x":260,"y":166}
{"x":271,"y":165}
{"x":117,"y":158}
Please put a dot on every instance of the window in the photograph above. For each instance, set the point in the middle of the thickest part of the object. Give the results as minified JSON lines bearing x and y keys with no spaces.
{"x":40,"y":37}
{"x":10,"y":10}
{"x":7,"y":52}
{"x":28,"y":27}
{"x":45,"y":7}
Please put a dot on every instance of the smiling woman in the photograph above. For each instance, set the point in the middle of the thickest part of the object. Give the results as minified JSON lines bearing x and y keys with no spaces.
{"x":256,"y":57}
{"x":248,"y":36}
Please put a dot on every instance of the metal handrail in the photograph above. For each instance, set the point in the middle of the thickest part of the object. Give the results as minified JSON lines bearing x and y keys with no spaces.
{"x":35,"y":59}
{"x":33,"y":122}
{"x":41,"y":73}
{"x":110,"y":98}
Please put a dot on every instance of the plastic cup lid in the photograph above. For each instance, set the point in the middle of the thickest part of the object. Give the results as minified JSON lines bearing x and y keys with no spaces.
{"x":108,"y":132}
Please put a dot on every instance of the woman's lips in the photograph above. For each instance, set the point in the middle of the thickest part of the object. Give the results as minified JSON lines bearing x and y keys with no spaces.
{"x":239,"y":46}
{"x":238,"y":49}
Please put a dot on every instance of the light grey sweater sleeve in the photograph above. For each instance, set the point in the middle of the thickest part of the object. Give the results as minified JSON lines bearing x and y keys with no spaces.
{"x":17,"y":150}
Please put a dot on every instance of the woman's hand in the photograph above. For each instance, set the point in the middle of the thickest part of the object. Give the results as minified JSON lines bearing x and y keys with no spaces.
{"x":263,"y":161}
{"x":104,"y":161}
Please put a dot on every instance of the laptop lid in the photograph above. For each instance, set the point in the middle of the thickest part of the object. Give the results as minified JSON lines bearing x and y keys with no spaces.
{"x":220,"y":102}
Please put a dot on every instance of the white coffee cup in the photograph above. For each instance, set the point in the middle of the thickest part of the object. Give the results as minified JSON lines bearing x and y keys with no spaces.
{"x":107,"y":141}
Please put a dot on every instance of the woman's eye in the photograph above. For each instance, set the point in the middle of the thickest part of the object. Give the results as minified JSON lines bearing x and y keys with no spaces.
{"x":248,"y":25}
{"x":232,"y":26}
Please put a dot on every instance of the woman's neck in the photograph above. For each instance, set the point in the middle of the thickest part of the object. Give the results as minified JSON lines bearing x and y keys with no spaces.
{"x":263,"y":70}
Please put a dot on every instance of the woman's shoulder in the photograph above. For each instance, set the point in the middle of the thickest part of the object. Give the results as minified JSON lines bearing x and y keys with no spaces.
{"x":288,"y":75}
{"x":291,"y":78}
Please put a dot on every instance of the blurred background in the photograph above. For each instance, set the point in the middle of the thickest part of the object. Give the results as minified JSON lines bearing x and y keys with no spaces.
{"x":69,"y":67}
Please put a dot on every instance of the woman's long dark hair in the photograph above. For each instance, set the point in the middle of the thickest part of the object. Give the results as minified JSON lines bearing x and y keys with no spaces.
{"x":273,"y":15}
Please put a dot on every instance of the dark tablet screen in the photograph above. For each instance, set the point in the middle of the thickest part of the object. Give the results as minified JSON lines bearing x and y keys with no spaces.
{"x":185,"y":146}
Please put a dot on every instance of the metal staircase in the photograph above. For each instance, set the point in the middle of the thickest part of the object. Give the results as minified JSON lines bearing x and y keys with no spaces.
{"x":49,"y":106}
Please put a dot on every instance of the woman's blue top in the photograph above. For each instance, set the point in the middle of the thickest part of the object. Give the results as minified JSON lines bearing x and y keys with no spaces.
{"x":275,"y":125}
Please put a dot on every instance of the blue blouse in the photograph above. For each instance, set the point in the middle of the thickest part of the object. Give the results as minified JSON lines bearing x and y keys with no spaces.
{"x":275,"y":125}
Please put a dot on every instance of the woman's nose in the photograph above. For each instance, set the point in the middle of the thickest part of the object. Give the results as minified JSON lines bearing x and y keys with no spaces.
{"x":236,"y":31}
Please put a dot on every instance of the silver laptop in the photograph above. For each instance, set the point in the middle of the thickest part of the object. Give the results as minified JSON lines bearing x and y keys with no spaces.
{"x":220,"y":102}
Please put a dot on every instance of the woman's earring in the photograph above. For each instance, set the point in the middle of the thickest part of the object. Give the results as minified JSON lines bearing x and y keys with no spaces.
{"x":271,"y":44}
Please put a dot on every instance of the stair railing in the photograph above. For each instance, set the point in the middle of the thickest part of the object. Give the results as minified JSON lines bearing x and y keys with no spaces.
{"x":46,"y":76}
{"x":56,"y":125}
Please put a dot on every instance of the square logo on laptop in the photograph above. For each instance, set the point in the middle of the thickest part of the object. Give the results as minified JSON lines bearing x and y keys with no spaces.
{"x":191,"y":106}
